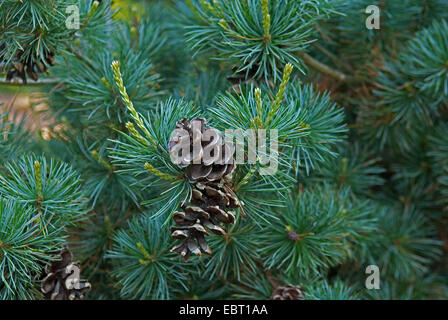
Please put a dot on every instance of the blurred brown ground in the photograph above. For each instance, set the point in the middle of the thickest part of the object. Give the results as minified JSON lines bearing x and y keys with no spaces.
{"x":28,"y":108}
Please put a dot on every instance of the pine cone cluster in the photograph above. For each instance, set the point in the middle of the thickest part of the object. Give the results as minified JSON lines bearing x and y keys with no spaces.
{"x":62,"y":280}
{"x":21,"y":66}
{"x":212,"y":197}
{"x":288,"y":292}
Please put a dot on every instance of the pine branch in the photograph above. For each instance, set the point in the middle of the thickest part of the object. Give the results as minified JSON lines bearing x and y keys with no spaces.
{"x":319,"y":66}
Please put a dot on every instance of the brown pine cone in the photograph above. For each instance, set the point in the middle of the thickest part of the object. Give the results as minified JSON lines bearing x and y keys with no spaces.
{"x":62,"y":280}
{"x":288,"y":292}
{"x":21,"y":67}
{"x":199,"y":144}
{"x":206,"y":212}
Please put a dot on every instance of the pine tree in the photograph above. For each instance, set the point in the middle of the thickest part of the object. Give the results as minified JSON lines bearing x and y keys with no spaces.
{"x":354,"y":172}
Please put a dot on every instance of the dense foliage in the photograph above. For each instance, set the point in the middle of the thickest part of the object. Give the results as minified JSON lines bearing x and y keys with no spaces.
{"x":362,"y":169}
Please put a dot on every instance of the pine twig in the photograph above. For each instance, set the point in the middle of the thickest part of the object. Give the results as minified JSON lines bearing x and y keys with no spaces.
{"x":333,"y":57}
{"x":136,"y":134}
{"x":127,"y":101}
{"x":266,"y":20}
{"x":323,"y":68}
{"x":101,"y":161}
{"x":38,"y":178}
{"x":258,"y":122}
{"x":281,"y":93}
{"x":160,"y":174}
